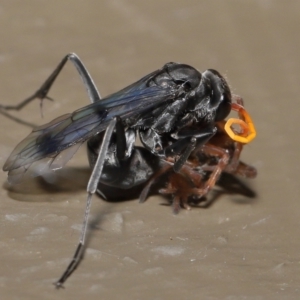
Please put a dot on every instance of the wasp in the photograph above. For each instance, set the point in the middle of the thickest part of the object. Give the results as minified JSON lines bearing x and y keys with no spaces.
{"x":176,"y":113}
{"x":198,"y":175}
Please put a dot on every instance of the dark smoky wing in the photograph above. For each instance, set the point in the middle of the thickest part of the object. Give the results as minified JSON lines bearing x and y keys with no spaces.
{"x":129,"y":93}
{"x":139,"y":102}
{"x":49,"y":139}
{"x":62,"y":133}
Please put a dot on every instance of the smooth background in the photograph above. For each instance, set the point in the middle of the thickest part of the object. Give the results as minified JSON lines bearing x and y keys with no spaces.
{"x":239,"y":248}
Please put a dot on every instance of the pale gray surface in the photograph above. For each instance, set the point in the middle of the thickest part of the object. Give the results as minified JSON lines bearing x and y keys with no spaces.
{"x":238,"y":248}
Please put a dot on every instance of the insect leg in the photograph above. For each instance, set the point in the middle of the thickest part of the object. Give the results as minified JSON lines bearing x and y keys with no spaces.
{"x":42,"y":92}
{"x":223,"y":162}
{"x":179,"y":186}
{"x":155,"y":176}
{"x":122,"y":144}
{"x":187,"y":143}
{"x":235,"y":166}
{"x":91,"y":189}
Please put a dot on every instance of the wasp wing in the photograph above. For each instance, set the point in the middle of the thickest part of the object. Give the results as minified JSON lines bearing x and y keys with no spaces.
{"x":49,"y":140}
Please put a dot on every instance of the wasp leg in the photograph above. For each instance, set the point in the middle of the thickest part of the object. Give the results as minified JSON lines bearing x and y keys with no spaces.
{"x":121,"y":140}
{"x":187,"y":143}
{"x":42,"y":92}
{"x":91,"y":189}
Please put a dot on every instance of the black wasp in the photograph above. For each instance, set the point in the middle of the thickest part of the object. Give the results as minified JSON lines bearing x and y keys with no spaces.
{"x":173,"y":110}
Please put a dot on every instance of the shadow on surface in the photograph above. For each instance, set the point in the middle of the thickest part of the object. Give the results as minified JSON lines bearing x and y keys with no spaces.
{"x":74,"y":179}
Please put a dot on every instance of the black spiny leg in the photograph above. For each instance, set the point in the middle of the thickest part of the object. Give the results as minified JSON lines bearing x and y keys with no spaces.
{"x":187,"y":142}
{"x":42,"y":92}
{"x":91,"y":189}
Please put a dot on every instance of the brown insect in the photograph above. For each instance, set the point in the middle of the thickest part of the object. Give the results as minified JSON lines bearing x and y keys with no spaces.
{"x":205,"y":165}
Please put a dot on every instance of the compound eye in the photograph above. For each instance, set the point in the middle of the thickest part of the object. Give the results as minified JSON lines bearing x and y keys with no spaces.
{"x":220,"y":94}
{"x":224,"y":108}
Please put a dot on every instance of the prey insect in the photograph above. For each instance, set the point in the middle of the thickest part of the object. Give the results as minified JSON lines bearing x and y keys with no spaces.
{"x":174,"y":111}
{"x":202,"y":170}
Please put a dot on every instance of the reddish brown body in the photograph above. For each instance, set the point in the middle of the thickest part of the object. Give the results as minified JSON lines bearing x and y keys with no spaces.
{"x":202,"y":170}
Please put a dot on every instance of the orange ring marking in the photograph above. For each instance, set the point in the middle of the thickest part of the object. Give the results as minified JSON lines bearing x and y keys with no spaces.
{"x":245,"y":121}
